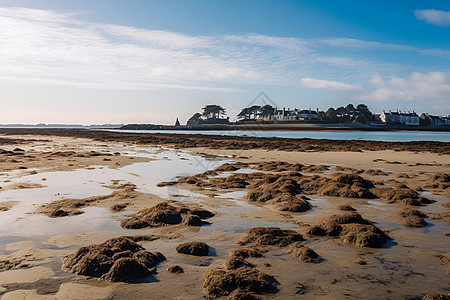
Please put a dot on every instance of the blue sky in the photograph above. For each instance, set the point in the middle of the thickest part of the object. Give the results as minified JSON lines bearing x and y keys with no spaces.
{"x":152,"y":61}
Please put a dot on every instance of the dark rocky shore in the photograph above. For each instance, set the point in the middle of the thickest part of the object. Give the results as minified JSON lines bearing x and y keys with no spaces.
{"x":238,"y":142}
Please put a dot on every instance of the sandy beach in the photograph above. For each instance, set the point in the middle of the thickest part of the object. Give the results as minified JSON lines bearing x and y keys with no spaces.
{"x":281,"y":218}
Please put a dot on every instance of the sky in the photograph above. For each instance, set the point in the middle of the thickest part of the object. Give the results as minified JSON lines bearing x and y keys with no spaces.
{"x":116,"y":61}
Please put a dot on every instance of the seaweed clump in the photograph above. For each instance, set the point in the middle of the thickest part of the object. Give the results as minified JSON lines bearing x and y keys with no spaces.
{"x":263,"y":236}
{"x":193,"y":248}
{"x":352,"y":228}
{"x":117,"y":259}
{"x":412,"y":217}
{"x":283,"y":191}
{"x":240,"y":279}
{"x":304,"y":254}
{"x":164,"y":214}
{"x":401,"y":194}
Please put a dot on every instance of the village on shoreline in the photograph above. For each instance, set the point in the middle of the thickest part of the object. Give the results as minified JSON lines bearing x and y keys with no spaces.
{"x":268,"y":117}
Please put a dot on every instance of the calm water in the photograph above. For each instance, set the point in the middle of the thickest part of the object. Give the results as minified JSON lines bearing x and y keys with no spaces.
{"x":389,"y":136}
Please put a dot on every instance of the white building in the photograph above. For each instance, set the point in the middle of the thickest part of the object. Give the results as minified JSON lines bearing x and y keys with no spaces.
{"x":308,"y":114}
{"x":296,"y":114}
{"x":403,"y":118}
{"x":285,"y":115}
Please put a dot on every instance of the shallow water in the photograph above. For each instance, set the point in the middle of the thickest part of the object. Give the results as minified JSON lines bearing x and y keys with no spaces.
{"x":388,"y":136}
{"x":166,"y":165}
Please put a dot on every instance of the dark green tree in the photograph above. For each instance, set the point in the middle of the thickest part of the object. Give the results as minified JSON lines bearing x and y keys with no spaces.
{"x":331,"y":116}
{"x":245,"y":114}
{"x":365,"y":111}
{"x":255,"y":110}
{"x":196,"y":119}
{"x":267,"y":111}
{"x":213,"y":111}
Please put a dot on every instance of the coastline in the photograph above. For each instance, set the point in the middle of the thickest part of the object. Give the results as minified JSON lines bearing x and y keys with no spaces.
{"x":237,"y":142}
{"x":289,"y":127}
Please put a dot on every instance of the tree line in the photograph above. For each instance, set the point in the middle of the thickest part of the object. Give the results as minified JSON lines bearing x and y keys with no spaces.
{"x":348,"y":114}
{"x":215,"y":114}
{"x":211,"y":115}
{"x":256,"y":111}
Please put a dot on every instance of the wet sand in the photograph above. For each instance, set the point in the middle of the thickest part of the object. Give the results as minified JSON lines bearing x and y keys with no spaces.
{"x":88,"y":176}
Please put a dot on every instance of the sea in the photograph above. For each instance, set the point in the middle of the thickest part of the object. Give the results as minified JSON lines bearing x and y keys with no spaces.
{"x":387,"y":136}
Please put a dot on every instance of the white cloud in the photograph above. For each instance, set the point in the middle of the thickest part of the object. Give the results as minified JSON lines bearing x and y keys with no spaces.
{"x":432,"y":16}
{"x":44,"y":47}
{"x":37,"y":15}
{"x":329,"y":85}
{"x":360,"y":44}
{"x":420,"y":88}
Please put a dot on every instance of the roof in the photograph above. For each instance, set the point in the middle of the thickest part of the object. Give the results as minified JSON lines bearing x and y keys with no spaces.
{"x":285,"y":112}
{"x":396,"y":113}
{"x":307,"y":111}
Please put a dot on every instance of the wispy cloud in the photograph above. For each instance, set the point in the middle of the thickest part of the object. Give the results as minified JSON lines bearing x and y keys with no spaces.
{"x":425,"y":88}
{"x":329,"y":85}
{"x":432,"y":16}
{"x":45,"y":47}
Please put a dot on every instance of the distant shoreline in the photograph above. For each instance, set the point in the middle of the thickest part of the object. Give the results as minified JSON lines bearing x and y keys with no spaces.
{"x":287,"y":127}
{"x":186,"y":141}
{"x":239,"y":127}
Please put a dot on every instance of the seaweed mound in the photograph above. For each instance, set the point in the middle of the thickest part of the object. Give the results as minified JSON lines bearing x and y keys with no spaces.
{"x":340,"y":185}
{"x":304,"y":253}
{"x":348,"y":169}
{"x":412,"y":217}
{"x":363,"y":235}
{"x":346,"y":207}
{"x":348,"y":186}
{"x":376,"y":172}
{"x":247,"y":252}
{"x":243,"y":281}
{"x":72,"y":207}
{"x":352,"y":228}
{"x":278,"y":166}
{"x":117,"y":259}
{"x":164,"y":214}
{"x":230,"y":167}
{"x":443,"y":216}
{"x":436,"y":296}
{"x":270,"y":236}
{"x":237,"y":258}
{"x":441,"y":177}
{"x":282,"y":166}
{"x":235,"y":262}
{"x":282,"y":191}
{"x":240,"y":280}
{"x":193,"y":248}
{"x":402,"y":194}
{"x":175,"y":269}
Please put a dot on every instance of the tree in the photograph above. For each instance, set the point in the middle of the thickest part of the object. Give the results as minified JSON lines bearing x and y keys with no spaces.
{"x":331,"y":116}
{"x":196,"y":119}
{"x":350,"y":108}
{"x":245,"y":114}
{"x":360,"y":118}
{"x":343,"y":114}
{"x":213,"y":111}
{"x":364,"y":110}
{"x":267,"y":111}
{"x":255,"y":110}
{"x":349,"y":113}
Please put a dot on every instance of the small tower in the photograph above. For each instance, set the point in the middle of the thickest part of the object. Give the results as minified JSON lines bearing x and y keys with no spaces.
{"x":177,"y":123}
